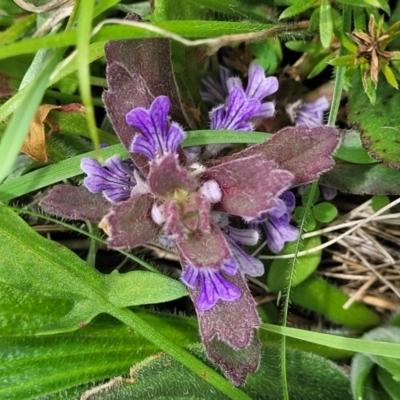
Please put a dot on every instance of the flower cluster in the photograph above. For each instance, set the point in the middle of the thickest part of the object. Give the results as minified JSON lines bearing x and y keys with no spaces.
{"x":162,"y":195}
{"x":181,"y":206}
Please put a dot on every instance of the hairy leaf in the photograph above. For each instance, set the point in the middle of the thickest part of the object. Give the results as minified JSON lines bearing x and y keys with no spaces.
{"x":37,"y":265}
{"x":75,"y":203}
{"x":305,"y":152}
{"x":129,"y":223}
{"x":249,"y":184}
{"x":378,"y":122}
{"x":160,"y":377}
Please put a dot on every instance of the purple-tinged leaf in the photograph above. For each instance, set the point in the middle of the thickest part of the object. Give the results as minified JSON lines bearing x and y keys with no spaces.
{"x":249,"y":185}
{"x":166,"y":176}
{"x":305,"y":152}
{"x":204,"y":249}
{"x":190,"y":216}
{"x":75,"y":203}
{"x":129,"y":224}
{"x":137,"y":72}
{"x":232,"y":322}
{"x":236,"y":364}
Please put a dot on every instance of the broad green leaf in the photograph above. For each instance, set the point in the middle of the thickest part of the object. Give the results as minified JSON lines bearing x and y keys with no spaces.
{"x":305,"y":265}
{"x":318,"y":295}
{"x":379,"y":122}
{"x":325,"y":212}
{"x":160,"y":377}
{"x":351,"y":149}
{"x":386,"y":334}
{"x":310,"y":222}
{"x":361,"y":374}
{"x":363,"y":179}
{"x":298,"y":7}
{"x":391,"y":385}
{"x":383,"y":4}
{"x":40,"y":266}
{"x":32,"y":366}
{"x":326,"y":24}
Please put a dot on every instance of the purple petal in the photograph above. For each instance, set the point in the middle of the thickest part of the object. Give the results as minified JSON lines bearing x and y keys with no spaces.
{"x":157,"y":138}
{"x":259,"y":86}
{"x":237,"y":114}
{"x":233,"y":83}
{"x":214,"y":90}
{"x":115,"y":179}
{"x":267,"y":110}
{"x":213,"y":288}
{"x":328,"y":193}
{"x":190,"y":276}
{"x":309,"y":114}
{"x":279,"y":231}
{"x":248,"y":237}
{"x":247,"y":264}
{"x":289,"y":199}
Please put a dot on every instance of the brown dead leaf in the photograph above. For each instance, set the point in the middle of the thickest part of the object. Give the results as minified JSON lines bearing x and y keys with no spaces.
{"x":41,"y":128}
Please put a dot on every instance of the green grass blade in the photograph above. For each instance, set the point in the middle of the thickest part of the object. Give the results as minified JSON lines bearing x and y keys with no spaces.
{"x":383,"y":349}
{"x":84,"y":29}
{"x":18,"y":126}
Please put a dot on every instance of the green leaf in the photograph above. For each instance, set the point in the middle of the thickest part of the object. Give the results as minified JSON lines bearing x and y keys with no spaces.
{"x":379,"y":122}
{"x":20,"y":28}
{"x":368,"y":3}
{"x":320,"y":66}
{"x":310,"y":222}
{"x":298,"y":7}
{"x":305,"y":47}
{"x":361,"y":374}
{"x":379,"y":201}
{"x":389,"y":75}
{"x":368,"y":85}
{"x":33,"y":366}
{"x":160,"y":377}
{"x":392,"y":386}
{"x":305,"y":265}
{"x":351,"y":149}
{"x":325,"y":212}
{"x":318,"y":295}
{"x":326,"y":24}
{"x":305,"y":197}
{"x":386,"y":334}
{"x":18,"y":126}
{"x":344,"y":61}
{"x":363,"y":179}
{"x":47,"y":269}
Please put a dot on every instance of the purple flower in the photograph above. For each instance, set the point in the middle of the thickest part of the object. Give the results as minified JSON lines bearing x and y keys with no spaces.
{"x":214,"y":89}
{"x":258,"y":87}
{"x":276,"y":223}
{"x":213,"y":284}
{"x":238,"y":112}
{"x":157,"y":137}
{"x":309,"y":114}
{"x":115,"y":179}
